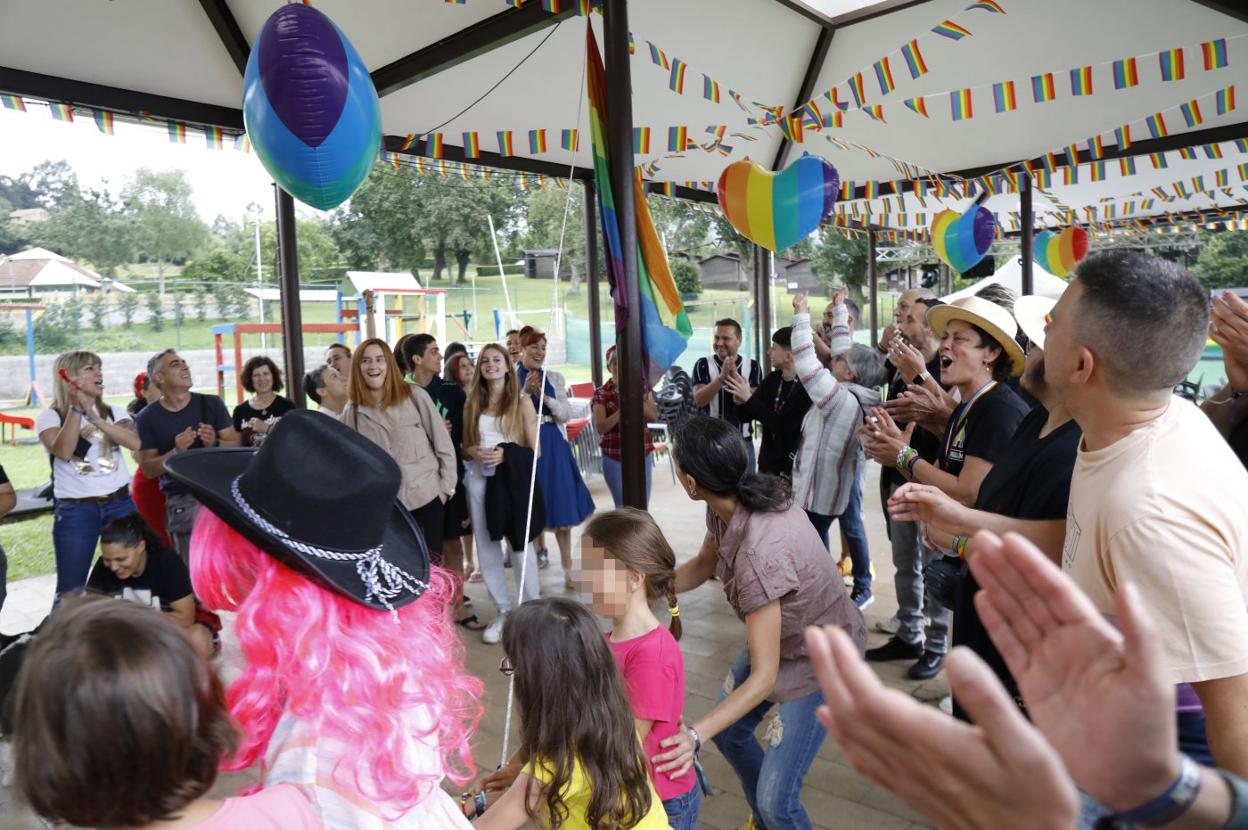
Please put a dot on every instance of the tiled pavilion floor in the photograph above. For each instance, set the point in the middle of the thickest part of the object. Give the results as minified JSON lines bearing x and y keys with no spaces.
{"x":834,"y":795}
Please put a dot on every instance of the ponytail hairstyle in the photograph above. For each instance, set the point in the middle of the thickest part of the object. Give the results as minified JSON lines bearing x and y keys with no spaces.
{"x":128,"y":531}
{"x":558,"y":637}
{"x":712,"y":451}
{"x":632,"y":538}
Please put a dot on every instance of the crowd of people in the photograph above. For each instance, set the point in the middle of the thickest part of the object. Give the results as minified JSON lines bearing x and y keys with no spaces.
{"x":1051,"y":506}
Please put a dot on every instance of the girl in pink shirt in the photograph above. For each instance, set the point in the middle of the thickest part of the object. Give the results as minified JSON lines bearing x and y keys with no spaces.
{"x":628,"y":564}
{"x":120,"y":723}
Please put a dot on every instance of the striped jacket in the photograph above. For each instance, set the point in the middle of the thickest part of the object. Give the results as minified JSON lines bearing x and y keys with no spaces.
{"x":830,"y":454}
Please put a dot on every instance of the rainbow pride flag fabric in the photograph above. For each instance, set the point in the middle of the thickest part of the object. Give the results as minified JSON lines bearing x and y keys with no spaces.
{"x":665,"y":326}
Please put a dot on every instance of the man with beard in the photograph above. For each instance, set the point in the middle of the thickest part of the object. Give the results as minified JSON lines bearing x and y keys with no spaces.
{"x":1025,"y":492}
{"x":717,"y":378}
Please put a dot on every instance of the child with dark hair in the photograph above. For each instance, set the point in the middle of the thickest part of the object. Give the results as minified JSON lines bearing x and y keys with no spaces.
{"x":584,"y":766}
{"x":119,"y":723}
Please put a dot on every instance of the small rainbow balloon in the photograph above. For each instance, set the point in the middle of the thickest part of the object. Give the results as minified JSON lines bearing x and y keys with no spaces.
{"x":1058,"y":253}
{"x":962,"y":240}
{"x":778,"y":210}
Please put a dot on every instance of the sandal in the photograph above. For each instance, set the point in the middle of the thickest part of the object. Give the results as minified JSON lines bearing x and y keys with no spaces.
{"x":475,"y":576}
{"x":471,"y":623}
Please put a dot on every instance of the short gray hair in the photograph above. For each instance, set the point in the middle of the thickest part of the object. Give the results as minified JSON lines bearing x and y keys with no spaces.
{"x":153,"y":363}
{"x":867,"y":364}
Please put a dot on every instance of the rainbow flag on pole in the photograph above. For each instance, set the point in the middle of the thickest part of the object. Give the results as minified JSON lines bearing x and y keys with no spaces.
{"x":665,"y":327}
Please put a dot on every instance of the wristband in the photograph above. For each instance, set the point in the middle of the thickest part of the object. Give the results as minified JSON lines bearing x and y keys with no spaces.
{"x":923,"y":378}
{"x":903,"y":457}
{"x":1171,"y":804}
{"x":1239,"y":801}
{"x":911,"y":462}
{"x":959,"y":545}
{"x":697,"y":742}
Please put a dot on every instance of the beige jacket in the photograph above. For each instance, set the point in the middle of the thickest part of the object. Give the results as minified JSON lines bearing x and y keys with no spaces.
{"x":415,"y":436}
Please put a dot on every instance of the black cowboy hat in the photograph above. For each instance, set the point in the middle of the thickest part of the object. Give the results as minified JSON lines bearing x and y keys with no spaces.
{"x":322,"y":499}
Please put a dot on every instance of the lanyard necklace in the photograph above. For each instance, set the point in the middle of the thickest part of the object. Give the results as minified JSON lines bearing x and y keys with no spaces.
{"x":966,"y":410}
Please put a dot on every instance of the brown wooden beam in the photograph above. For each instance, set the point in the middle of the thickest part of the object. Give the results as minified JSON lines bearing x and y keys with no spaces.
{"x":521,"y":164}
{"x":1236,"y":10}
{"x":228,"y":31}
{"x":813,"y":68}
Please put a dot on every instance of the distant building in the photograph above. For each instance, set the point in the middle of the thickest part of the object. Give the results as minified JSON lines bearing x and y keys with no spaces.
{"x":539,"y":263}
{"x":723,"y":271}
{"x":39,"y":271}
{"x":27,"y":216}
{"x":796,"y":275}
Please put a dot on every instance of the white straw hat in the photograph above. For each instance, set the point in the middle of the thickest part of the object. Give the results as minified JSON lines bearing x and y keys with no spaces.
{"x":987,"y":315}
{"x":1032,"y":312}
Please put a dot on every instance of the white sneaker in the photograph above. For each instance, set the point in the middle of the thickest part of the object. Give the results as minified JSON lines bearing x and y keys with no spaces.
{"x":888,"y":626}
{"x":946,"y":705}
{"x":494,"y":631}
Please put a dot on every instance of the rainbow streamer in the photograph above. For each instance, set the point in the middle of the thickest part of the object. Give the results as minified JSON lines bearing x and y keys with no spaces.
{"x":537,"y":141}
{"x":1224,"y":100}
{"x":914,"y":59}
{"x":960,"y":104}
{"x":676,"y":83}
{"x":1191,"y":113}
{"x":884,"y":74}
{"x":1156,"y":124}
{"x":710,"y":89}
{"x":1122,"y":135}
{"x":505,"y":145}
{"x":1042,"y":88}
{"x":1003,"y":97}
{"x":1081,"y":81}
{"x":950,"y":30}
{"x":104,"y":123}
{"x":658,"y":56}
{"x":665,"y":327}
{"x":641,"y":140}
{"x":1214,"y":53}
{"x":855,"y":88}
{"x":64,"y":112}
{"x":13,"y":102}
{"x":1096,"y":148}
{"x":1126,"y":74}
{"x":876,"y":111}
{"x":177,"y":132}
{"x":1171,"y":61}
{"x":988,"y":6}
{"x":434,"y":144}
{"x":569,"y":140}
{"x":677,"y":139}
{"x":833,"y":119}
{"x":472,"y":145}
{"x":918,"y":105}
{"x":213,"y":136}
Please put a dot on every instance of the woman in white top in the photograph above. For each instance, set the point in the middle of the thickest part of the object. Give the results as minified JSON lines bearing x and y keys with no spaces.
{"x":496,"y":413}
{"x":84,"y":437}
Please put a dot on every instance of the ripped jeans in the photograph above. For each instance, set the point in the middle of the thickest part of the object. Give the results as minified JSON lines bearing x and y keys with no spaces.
{"x":771,"y":775}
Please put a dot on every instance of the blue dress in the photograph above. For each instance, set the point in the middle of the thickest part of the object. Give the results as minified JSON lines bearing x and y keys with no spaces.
{"x":568,"y":502}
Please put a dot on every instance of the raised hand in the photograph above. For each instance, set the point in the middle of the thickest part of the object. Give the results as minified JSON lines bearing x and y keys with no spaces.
{"x":801,"y":304}
{"x":1228,"y":326}
{"x":908,"y":360}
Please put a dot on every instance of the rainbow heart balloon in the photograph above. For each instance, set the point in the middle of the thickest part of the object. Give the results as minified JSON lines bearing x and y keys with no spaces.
{"x":778,"y":210}
{"x":962,"y":240}
{"x":1058,"y":253}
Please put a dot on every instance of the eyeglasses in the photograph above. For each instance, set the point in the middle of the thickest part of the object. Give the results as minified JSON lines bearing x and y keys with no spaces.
{"x":506,"y":668}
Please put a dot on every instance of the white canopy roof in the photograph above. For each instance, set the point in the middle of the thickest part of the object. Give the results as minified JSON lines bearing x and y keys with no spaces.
{"x":1010,"y":274}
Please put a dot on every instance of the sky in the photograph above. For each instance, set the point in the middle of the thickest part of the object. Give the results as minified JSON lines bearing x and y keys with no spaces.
{"x":224,"y":182}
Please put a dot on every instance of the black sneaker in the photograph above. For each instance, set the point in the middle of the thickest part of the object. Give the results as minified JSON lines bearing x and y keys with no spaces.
{"x":862,"y":597}
{"x":894,"y":649}
{"x":928,"y":666}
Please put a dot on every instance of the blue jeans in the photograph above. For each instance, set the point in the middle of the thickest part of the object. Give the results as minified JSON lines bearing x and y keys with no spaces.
{"x":76,"y":530}
{"x":855,"y":535}
{"x":615,"y":479}
{"x":682,"y":811}
{"x":772,"y":777}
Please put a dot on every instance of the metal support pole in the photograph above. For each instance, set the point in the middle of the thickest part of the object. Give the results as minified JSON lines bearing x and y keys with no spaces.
{"x":292,"y":312}
{"x":873,"y":289}
{"x":627,"y":331}
{"x":592,"y":279}
{"x":1028,"y":219}
{"x":764,"y":305}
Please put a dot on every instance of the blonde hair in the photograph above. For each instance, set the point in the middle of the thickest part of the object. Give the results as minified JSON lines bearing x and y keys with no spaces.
{"x":72,"y":363}
{"x":632,"y":538}
{"x":510,"y":405}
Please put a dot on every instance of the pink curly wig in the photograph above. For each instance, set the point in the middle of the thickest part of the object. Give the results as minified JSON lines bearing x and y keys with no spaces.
{"x":314,"y":652}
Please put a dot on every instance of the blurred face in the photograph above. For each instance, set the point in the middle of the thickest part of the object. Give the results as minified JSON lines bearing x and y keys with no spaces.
{"x":337,"y":357}
{"x":904,"y":303}
{"x":335,"y":382}
{"x":125,"y":562}
{"x":612,"y":365}
{"x":513,"y":346}
{"x":841,"y":370}
{"x":726,"y":342}
{"x":1061,"y":351}
{"x":173,"y":373}
{"x":962,"y":358}
{"x":465,"y":371}
{"x":150,"y":393}
{"x":91,"y":379}
{"x":373,"y":367}
{"x":780,"y":357}
{"x":492,"y":364}
{"x":1033,"y":373}
{"x":914,"y":325}
{"x":262,"y":380}
{"x":828,"y":314}
{"x":609,"y":583}
{"x":535,"y":355}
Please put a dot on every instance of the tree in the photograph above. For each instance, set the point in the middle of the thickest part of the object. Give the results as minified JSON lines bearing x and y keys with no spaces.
{"x":128,"y":304}
{"x":178,"y":313}
{"x":682,"y":228}
{"x":199,"y":298}
{"x":379,"y":229}
{"x":688,"y":277}
{"x":53,"y":183}
{"x":167,"y":227}
{"x":89,"y":225}
{"x":223,"y":297}
{"x":318,"y":251}
{"x":1223,"y":260}
{"x":840,"y":259}
{"x":218,"y":265}
{"x":156,"y":311}
{"x":16,"y":194}
{"x":543,"y":218}
{"x":98,"y":308}
{"x":53,"y":327}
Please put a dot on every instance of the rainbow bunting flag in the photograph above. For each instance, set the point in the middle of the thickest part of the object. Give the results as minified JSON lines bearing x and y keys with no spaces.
{"x":677,"y":139}
{"x":1214,"y":52}
{"x":1158,"y":160}
{"x":242,"y":142}
{"x":472,"y":145}
{"x":847,"y":191}
{"x":553,"y":6}
{"x":855,"y":88}
{"x":433,"y":144}
{"x":658,"y":56}
{"x":64,"y":112}
{"x":456,"y":2}
{"x":214,"y":136}
{"x":1181,"y":191}
{"x":1156,"y":124}
{"x":676,"y":83}
{"x":914,"y":59}
{"x":884,"y":74}
{"x":1224,"y":99}
{"x":641,"y":140}
{"x":1081,"y":81}
{"x":1126,"y":165}
{"x":1220,"y":179}
{"x":177,"y":132}
{"x":505,"y":145}
{"x":1098,"y":171}
{"x":1241,"y":144}
{"x":1070,"y":175}
{"x":1096,"y":148}
{"x":1049,"y":160}
{"x":950,"y":30}
{"x":834,"y":95}
{"x":918,"y":105}
{"x":871,"y":190}
{"x":1003,"y":97}
{"x":1072,"y":154}
{"x":833,"y":119}
{"x":13,"y":102}
{"x":1243,"y":172}
{"x":515,"y":4}
{"x":876,"y":111}
{"x":1042,"y":88}
{"x":1126,"y":74}
{"x":710,"y":89}
{"x":665,"y":326}
{"x":960,"y":104}
{"x":1122,"y":136}
{"x":988,"y":6}
{"x":1213,"y":151}
{"x":104,"y":123}
{"x":1191,"y":113}
{"x":1171,"y":61}
{"x":408,"y":142}
{"x":632,"y":43}
{"x":537,"y":141}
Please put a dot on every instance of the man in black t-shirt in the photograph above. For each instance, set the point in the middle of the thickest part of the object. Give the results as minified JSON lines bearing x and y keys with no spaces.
{"x":712,"y":396}
{"x":780,"y":404}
